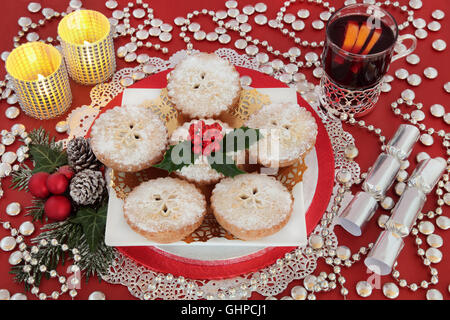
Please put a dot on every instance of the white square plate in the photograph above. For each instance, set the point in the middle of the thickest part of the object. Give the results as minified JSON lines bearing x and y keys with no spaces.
{"x":119,"y":234}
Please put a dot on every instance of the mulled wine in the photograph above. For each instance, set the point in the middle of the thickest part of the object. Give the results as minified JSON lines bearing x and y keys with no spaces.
{"x":358,"y":50}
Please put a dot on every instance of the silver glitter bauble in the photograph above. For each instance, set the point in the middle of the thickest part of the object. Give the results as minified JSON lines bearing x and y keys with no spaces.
{"x":139,"y":13}
{"x":415,"y":4}
{"x":260,"y":19}
{"x":8,"y":243}
{"x":435,"y":240}
{"x":343,"y":252}
{"x":434,"y":294}
{"x":401,"y":73}
{"x":75,"y":4}
{"x":390,"y":290}
{"x":437,"y":110}
{"x":363,"y":289}
{"x":439,"y":45}
{"x":224,"y":38}
{"x":24,"y":22}
{"x":430,"y":73}
{"x":443,"y":222}
{"x":418,"y":115}
{"x":426,"y":227}
{"x":447,"y":87}
{"x":15,"y":258}
{"x":34,"y":7}
{"x":298,"y":25}
{"x":4,"y":294}
{"x":419,"y":23}
{"x":303,"y":13}
{"x":438,"y":14}
{"x":299,"y":293}
{"x":434,"y":255}
{"x":111,"y":4}
{"x":387,"y":203}
{"x":408,"y":95}
{"x":318,"y":24}
{"x":97,"y":295}
{"x":434,"y":26}
{"x":26,"y":228}
{"x":427,"y":139}
{"x":414,"y":80}
{"x":260,"y":7}
{"x":13,"y":209}
{"x":9,"y":157}
{"x":62,"y":126}
{"x":421,"y":33}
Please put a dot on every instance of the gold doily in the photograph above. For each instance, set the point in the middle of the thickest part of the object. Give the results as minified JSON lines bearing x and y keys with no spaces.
{"x":249,"y":102}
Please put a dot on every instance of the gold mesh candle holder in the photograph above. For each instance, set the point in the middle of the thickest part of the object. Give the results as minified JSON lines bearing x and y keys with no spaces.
{"x":40,"y":80}
{"x":87,"y":41}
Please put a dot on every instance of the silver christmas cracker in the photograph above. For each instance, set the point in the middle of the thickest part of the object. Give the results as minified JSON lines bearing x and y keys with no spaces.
{"x":427,"y":174}
{"x":384,"y":253}
{"x":379,"y":179}
{"x":357,"y":213}
{"x":401,"y":144}
{"x":381,"y":176}
{"x":404,"y":215}
{"x":405,"y":212}
{"x":422,"y":181}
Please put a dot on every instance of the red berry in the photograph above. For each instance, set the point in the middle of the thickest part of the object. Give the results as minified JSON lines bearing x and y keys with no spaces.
{"x":67,"y":171}
{"x":38,"y":185}
{"x":57,"y":208}
{"x":57,"y":183}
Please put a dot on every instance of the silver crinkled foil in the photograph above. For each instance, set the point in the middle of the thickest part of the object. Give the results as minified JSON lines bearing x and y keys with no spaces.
{"x":405,"y":212}
{"x":384,"y":253}
{"x":401,"y":144}
{"x":427,"y":174}
{"x":357,"y":213}
{"x":381,"y":176}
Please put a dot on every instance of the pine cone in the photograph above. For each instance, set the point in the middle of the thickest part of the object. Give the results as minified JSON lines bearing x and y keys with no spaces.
{"x":87,"y":187}
{"x":80,"y":155}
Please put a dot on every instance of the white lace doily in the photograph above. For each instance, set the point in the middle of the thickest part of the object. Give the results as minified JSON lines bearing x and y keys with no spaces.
{"x":146,"y":284}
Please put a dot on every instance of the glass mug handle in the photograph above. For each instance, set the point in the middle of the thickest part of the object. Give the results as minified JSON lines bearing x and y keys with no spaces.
{"x":409,"y":50}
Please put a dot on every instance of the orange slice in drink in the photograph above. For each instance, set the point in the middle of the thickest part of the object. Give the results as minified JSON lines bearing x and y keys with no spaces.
{"x":376,"y":35}
{"x":351,"y":35}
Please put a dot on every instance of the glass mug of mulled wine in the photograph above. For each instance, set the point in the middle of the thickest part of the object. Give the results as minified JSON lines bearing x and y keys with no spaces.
{"x":359,"y":47}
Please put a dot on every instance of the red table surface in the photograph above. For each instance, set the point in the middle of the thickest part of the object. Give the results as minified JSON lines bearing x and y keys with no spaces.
{"x":429,"y":93}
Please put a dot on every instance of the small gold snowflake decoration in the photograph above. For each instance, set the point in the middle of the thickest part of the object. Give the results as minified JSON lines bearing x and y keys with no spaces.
{"x":165,"y":109}
{"x":250,"y":101}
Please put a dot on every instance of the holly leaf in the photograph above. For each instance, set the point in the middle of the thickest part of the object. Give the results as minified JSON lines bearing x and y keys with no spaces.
{"x":47,"y":159}
{"x":240,"y":139}
{"x":227,"y":167}
{"x":177,"y":153}
{"x":93,"y":223}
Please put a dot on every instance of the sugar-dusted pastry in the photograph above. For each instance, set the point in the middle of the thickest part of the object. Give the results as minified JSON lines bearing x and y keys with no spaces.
{"x":203,"y":86}
{"x":165,"y":210}
{"x":289,"y":132}
{"x":201,"y":172}
{"x":129,"y":139}
{"x":251,"y":206}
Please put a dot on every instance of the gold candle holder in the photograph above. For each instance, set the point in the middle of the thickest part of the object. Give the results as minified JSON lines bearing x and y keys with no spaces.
{"x":87,"y":41}
{"x":40,"y":80}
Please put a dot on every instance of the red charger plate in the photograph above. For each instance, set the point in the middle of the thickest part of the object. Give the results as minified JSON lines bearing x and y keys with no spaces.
{"x":161,"y":261}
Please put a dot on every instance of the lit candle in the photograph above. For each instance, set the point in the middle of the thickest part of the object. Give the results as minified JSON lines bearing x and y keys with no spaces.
{"x":40,"y":80}
{"x":88,"y":48}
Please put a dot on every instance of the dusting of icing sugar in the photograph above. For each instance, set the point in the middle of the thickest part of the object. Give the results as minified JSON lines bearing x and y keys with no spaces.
{"x":164,"y":204}
{"x":129,"y":135}
{"x":288,"y":130}
{"x":252,"y":201}
{"x":203,"y":85}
